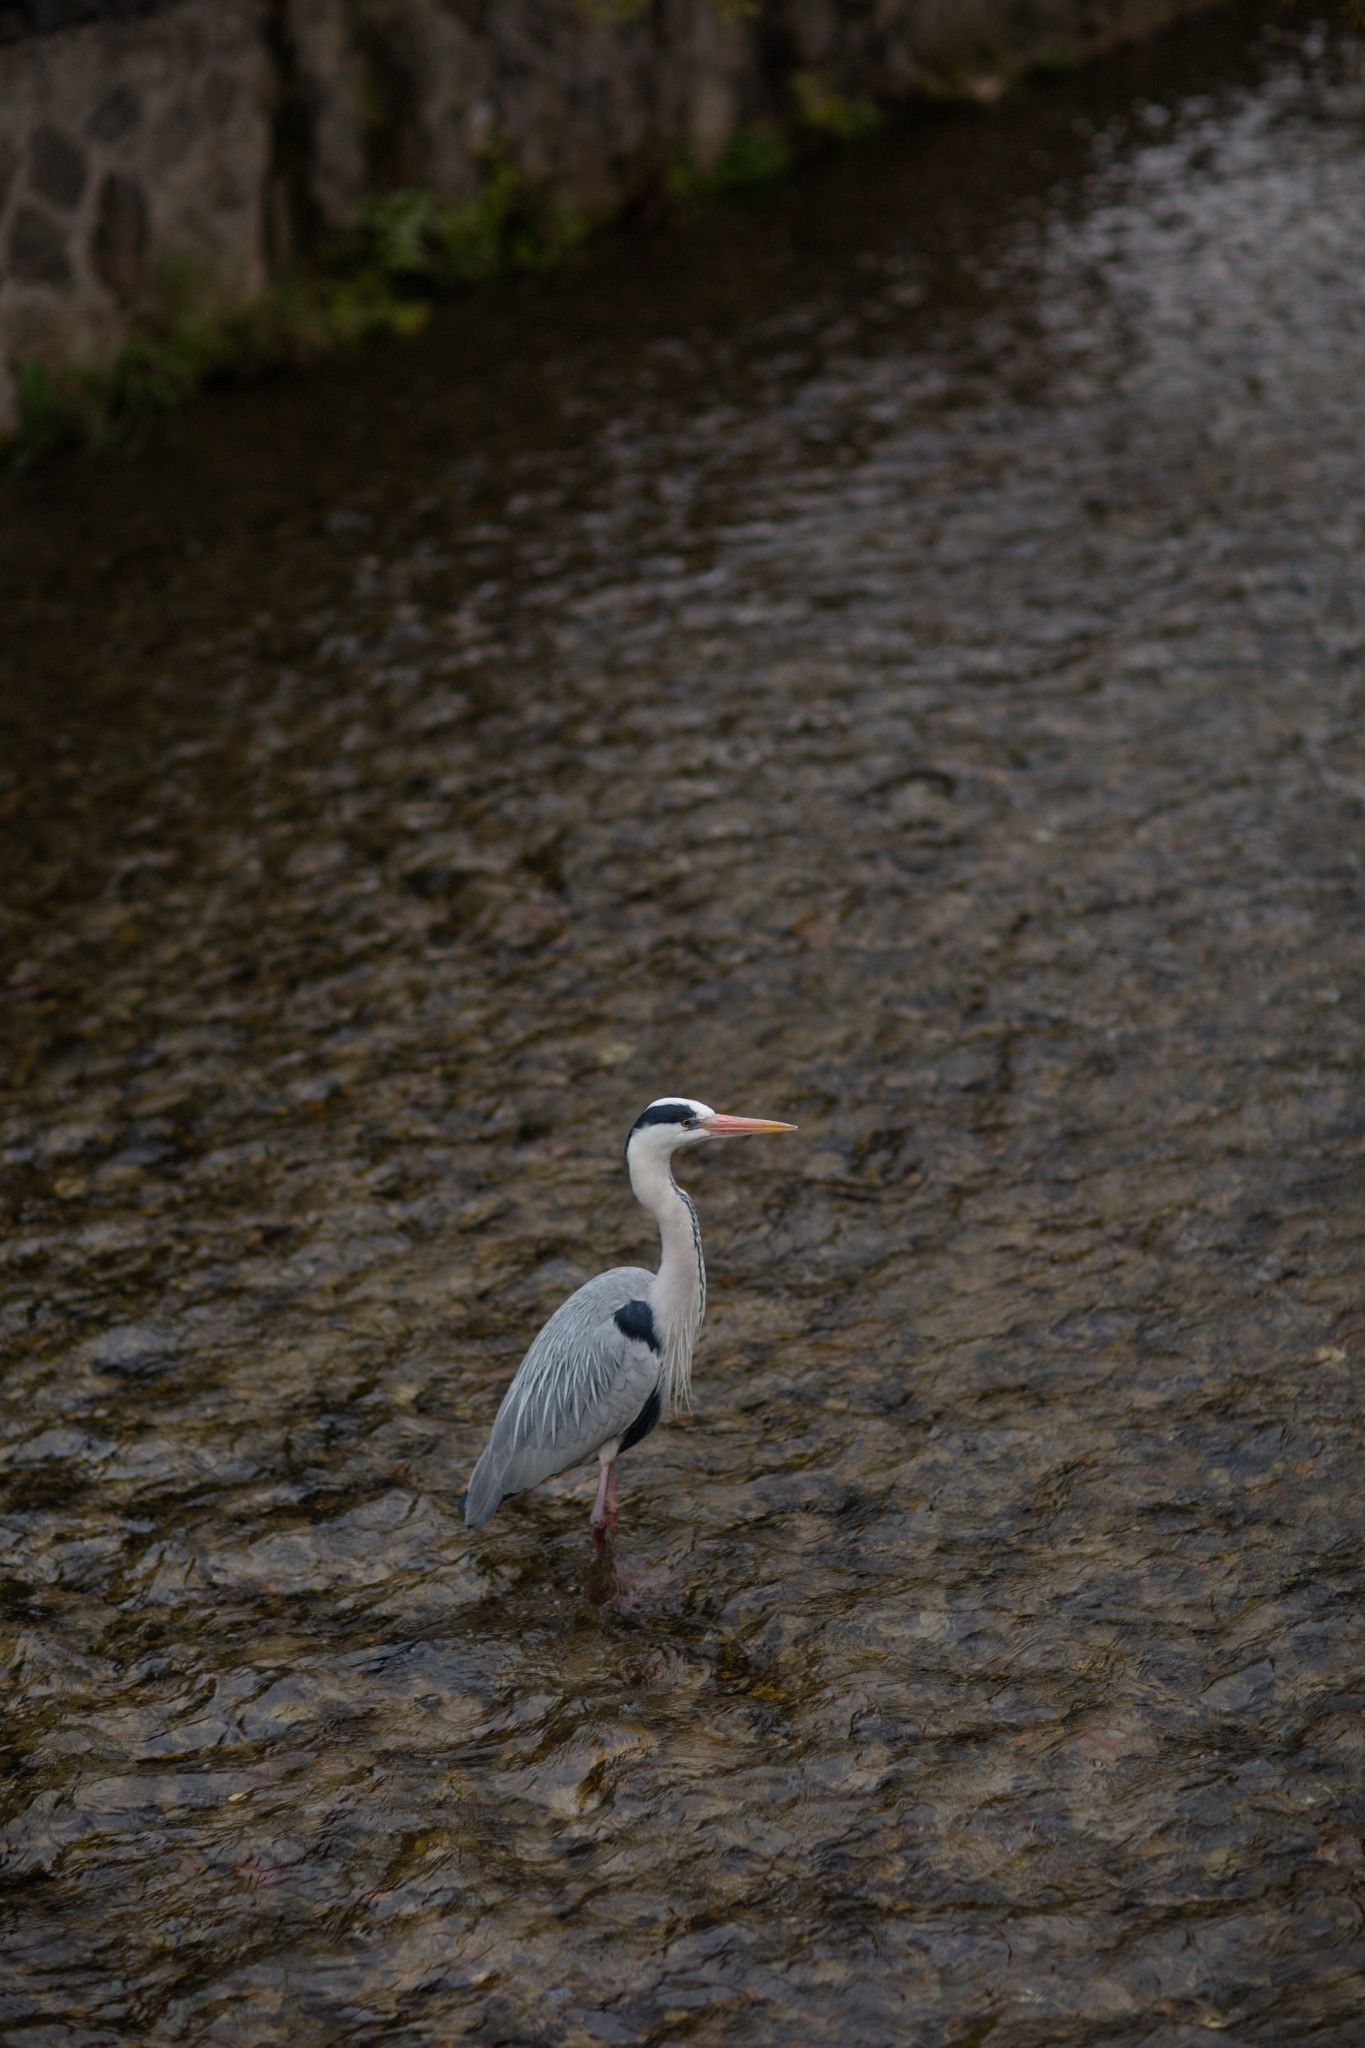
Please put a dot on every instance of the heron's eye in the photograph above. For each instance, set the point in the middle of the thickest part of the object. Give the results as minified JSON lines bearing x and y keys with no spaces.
{"x":689,"y":1123}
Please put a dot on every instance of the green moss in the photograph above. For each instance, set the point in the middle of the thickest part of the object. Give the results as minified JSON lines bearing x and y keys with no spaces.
{"x":753,"y":155}
{"x":1058,"y":62}
{"x":826,"y":112}
{"x":396,"y":236}
{"x":110,"y":403}
{"x":407,"y":249}
{"x":412,"y":239}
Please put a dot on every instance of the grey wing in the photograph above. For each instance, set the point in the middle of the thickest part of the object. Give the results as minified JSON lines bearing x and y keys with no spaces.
{"x":583,"y":1382}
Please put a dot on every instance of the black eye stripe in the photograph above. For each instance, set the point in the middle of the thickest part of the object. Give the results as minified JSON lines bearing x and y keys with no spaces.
{"x":665,"y":1113}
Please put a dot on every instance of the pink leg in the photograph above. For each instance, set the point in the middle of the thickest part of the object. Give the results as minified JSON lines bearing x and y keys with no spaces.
{"x":604,"y":1507}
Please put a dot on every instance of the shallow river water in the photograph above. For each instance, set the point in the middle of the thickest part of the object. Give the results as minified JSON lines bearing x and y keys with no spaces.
{"x":886,"y":654}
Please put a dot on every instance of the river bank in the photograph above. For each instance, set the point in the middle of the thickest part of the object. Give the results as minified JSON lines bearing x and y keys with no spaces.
{"x":209,"y":187}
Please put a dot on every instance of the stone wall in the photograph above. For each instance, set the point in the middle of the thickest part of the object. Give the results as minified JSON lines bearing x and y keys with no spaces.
{"x":126,"y":145}
{"x":217,"y":139}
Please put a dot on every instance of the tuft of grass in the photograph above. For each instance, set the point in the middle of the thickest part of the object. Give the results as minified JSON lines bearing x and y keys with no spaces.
{"x":826,"y":112}
{"x":1058,"y":62}
{"x":396,"y":236}
{"x":110,"y":404}
{"x":412,"y":240}
{"x":407,"y":249}
{"x":754,"y":154}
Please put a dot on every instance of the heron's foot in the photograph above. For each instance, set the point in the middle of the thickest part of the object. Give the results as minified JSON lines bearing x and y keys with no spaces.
{"x":601,"y":1573}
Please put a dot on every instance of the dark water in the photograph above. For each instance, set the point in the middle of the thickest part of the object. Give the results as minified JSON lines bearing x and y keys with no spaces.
{"x":888,"y":655}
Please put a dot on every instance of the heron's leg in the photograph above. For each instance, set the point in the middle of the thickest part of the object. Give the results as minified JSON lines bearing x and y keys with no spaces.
{"x":611,"y":1496}
{"x":606,"y":1486}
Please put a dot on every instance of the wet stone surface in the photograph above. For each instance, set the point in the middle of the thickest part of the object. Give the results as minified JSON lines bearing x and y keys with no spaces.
{"x":890,"y":656}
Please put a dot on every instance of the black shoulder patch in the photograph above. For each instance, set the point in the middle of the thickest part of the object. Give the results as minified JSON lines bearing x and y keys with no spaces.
{"x":636,"y":1320}
{"x":643,"y":1423}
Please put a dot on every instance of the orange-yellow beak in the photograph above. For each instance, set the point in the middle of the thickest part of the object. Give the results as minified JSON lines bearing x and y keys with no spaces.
{"x":720,"y":1126}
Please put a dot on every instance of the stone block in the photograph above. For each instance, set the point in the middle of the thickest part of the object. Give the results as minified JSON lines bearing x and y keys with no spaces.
{"x":57,"y":167}
{"x":118,"y":242}
{"x":219,"y":97}
{"x":37,"y":252}
{"x":130,"y":142}
{"x":323,"y":39}
{"x":116,"y":116}
{"x":174,"y":137}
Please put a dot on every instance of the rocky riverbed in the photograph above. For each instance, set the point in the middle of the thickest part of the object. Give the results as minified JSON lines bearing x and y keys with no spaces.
{"x":887,"y":656}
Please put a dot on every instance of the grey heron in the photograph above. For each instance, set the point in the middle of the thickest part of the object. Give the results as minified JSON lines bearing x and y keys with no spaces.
{"x":618,"y":1353}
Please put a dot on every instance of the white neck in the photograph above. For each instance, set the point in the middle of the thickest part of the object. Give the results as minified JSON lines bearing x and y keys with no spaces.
{"x":678,"y":1295}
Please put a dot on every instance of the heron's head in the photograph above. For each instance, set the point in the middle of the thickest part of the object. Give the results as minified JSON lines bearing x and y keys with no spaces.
{"x":675,"y":1120}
